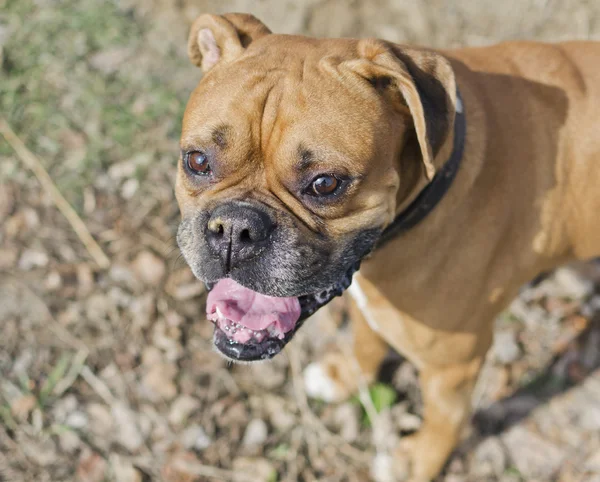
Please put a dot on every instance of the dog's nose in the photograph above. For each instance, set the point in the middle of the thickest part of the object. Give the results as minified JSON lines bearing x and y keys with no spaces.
{"x":237,"y":232}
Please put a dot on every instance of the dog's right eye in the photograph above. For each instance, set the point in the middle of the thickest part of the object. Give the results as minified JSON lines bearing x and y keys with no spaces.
{"x":197,"y":163}
{"x":326,"y":186}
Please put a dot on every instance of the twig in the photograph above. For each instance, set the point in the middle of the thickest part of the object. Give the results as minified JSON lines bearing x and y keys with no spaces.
{"x":363,"y":391}
{"x":77,"y":365}
{"x":33,"y":163}
{"x":229,"y":382}
{"x":364,"y":395}
{"x":302,"y":402}
{"x":97,"y":385}
{"x":312,"y":420}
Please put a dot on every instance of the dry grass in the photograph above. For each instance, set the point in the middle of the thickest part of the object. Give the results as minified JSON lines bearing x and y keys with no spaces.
{"x":108,"y":374}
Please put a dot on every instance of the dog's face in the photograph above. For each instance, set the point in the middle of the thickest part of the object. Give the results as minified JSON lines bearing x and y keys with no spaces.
{"x":293,"y":157}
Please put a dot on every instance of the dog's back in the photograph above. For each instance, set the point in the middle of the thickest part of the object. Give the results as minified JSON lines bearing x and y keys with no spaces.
{"x":542,"y":102}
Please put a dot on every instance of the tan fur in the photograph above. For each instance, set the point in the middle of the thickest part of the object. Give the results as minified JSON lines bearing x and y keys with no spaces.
{"x":525,"y":200}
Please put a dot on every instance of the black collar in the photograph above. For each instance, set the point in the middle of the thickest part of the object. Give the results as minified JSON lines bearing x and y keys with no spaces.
{"x":433,"y":193}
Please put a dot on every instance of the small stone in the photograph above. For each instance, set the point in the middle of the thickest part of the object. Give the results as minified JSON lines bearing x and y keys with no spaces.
{"x":129,"y":188}
{"x":159,"y":380}
{"x":53,"y":281}
{"x":77,"y":420}
{"x":149,"y":268}
{"x":128,"y":433}
{"x":256,"y":433}
{"x":69,"y":441}
{"x":261,"y":469}
{"x":573,"y":285}
{"x":346,"y":417}
{"x":31,"y":259}
{"x":194,"y":437}
{"x":505,"y":348}
{"x":533,"y":456}
{"x":182,"y":408}
{"x":123,"y":470}
{"x":489,"y":458}
{"x":101,"y":421}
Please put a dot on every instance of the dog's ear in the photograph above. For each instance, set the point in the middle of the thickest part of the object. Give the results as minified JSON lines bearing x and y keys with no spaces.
{"x":417,"y":82}
{"x":216,"y":38}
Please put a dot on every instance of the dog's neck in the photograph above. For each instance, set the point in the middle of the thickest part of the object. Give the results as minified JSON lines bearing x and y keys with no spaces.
{"x":428,"y":197}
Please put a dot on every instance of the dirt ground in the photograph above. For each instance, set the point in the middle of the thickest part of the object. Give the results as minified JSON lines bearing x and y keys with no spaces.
{"x":108,"y":373}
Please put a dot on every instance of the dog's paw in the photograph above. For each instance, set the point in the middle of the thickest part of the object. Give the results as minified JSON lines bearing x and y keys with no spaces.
{"x":319,"y":383}
{"x":398,"y":466}
{"x":392,"y":468}
{"x":382,"y":468}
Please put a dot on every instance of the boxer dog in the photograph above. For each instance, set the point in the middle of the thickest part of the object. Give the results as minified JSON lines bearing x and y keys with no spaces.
{"x":450,"y":178}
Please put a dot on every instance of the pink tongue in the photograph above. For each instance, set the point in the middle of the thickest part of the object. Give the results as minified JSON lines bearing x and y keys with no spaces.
{"x":252,"y":309}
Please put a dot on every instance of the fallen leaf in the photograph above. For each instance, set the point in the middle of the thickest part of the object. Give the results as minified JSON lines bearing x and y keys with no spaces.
{"x":91,"y":467}
{"x":23,"y":406}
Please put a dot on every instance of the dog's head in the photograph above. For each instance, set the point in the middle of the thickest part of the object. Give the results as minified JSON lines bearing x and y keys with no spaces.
{"x":295,"y":155}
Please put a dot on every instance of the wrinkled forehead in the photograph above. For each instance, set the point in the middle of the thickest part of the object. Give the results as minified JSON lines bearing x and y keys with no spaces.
{"x":286,"y":92}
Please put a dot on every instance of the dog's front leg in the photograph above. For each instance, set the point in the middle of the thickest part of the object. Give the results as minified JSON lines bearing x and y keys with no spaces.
{"x":334,"y":377}
{"x":447,"y":392}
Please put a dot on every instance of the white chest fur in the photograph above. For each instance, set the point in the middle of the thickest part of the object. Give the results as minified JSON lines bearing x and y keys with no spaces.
{"x":362,"y":302}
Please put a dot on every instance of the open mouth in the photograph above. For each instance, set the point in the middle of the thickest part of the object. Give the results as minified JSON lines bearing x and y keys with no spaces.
{"x":252,"y":326}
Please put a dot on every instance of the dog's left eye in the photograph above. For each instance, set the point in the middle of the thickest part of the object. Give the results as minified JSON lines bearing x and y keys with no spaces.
{"x":324,"y":185}
{"x":197,"y":162}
